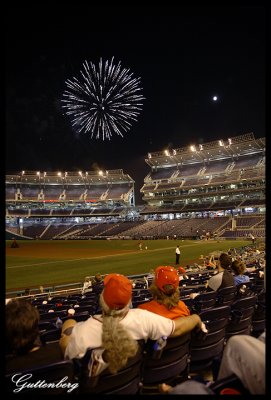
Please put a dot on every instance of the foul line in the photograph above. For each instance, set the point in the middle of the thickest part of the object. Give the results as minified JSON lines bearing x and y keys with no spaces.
{"x":99,"y":257}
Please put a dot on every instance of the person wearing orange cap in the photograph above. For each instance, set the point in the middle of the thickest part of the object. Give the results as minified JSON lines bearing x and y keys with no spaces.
{"x":119,"y":328}
{"x":166,"y":296}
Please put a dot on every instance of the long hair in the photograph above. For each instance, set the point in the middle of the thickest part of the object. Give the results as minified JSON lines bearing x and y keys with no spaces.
{"x":169,"y":299}
{"x":116,"y":340}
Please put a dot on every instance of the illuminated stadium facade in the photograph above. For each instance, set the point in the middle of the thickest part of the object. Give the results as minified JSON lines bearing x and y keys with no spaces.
{"x":186,"y":190}
{"x":219,"y":175}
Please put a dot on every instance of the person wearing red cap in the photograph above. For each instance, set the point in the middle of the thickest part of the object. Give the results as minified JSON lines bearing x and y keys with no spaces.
{"x":119,"y":328}
{"x":182,"y":274}
{"x":166,"y":296}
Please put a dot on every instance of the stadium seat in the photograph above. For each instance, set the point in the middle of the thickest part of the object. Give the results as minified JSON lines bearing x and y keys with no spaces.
{"x":46,"y":326}
{"x":204,"y":347}
{"x":204,"y":301}
{"x":80,"y":316}
{"x":165,"y":365}
{"x":51,"y":335}
{"x":125,"y":381}
{"x":258,"y":319}
{"x":241,"y":316}
{"x":225,"y":296}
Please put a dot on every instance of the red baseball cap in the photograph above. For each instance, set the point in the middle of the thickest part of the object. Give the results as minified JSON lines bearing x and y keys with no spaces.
{"x":166,"y":276}
{"x":117,"y":291}
{"x":181,"y":270}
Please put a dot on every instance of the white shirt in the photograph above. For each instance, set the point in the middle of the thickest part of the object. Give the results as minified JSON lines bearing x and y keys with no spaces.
{"x":178,"y":250}
{"x":141,"y":324}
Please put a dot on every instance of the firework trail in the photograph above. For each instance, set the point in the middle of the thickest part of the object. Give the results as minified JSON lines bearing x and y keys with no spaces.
{"x":104,"y":100}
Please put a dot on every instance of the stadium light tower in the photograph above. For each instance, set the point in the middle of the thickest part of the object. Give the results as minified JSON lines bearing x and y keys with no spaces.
{"x":193,"y":148}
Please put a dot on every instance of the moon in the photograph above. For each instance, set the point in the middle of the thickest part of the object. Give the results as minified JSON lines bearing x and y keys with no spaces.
{"x":215,"y":98}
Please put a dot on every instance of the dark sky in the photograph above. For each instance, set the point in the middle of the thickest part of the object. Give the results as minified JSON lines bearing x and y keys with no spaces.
{"x":183,"y":55}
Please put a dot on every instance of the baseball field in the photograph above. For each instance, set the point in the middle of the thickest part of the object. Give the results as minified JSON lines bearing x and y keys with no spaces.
{"x":46,"y":263}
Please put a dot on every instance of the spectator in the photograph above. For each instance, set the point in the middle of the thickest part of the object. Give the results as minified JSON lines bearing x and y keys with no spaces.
{"x":182,"y":274}
{"x":97,"y":284}
{"x":224,"y":277}
{"x":87,"y":287}
{"x":166,"y":296}
{"x":187,"y":387}
{"x":26,"y":294}
{"x":239,"y":268}
{"x":119,"y":327}
{"x":243,"y":356}
{"x":23,"y":346}
{"x":209,"y":264}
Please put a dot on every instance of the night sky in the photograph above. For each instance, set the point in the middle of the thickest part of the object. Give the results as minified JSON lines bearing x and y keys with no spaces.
{"x":183,"y":55}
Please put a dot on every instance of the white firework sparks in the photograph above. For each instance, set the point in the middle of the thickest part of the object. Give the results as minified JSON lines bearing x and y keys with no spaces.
{"x":103,"y":101}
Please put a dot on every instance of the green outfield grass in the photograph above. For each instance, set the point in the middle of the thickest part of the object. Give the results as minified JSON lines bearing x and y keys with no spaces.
{"x":47,"y":263}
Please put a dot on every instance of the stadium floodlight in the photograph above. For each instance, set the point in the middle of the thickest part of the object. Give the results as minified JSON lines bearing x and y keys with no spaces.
{"x":38,"y":173}
{"x":193,"y":148}
{"x":220,"y":142}
{"x":230,"y":141}
{"x":59,"y":174}
{"x":166,"y":152}
{"x":44,"y":174}
{"x":80,"y":173}
{"x":23,"y":172}
{"x":149,"y":155}
{"x":101,"y":173}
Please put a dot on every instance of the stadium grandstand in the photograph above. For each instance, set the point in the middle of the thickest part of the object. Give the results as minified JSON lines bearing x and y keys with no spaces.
{"x":198,"y":184}
{"x":210,"y":191}
{"x":215,"y":189}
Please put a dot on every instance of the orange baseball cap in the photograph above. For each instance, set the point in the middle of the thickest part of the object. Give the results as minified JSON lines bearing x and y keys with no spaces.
{"x":117,"y":291}
{"x":166,"y":276}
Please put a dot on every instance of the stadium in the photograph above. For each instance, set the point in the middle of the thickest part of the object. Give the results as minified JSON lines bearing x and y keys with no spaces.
{"x":63,"y":228}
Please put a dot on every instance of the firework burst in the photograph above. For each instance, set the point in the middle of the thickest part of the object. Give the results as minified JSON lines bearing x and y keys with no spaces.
{"x":104,"y":100}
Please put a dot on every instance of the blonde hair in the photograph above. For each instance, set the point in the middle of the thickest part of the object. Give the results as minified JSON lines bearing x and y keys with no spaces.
{"x":168,"y":300}
{"x":116,"y":340}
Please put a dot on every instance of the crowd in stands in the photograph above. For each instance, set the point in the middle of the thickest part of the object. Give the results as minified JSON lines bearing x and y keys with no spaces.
{"x":113,"y":318}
